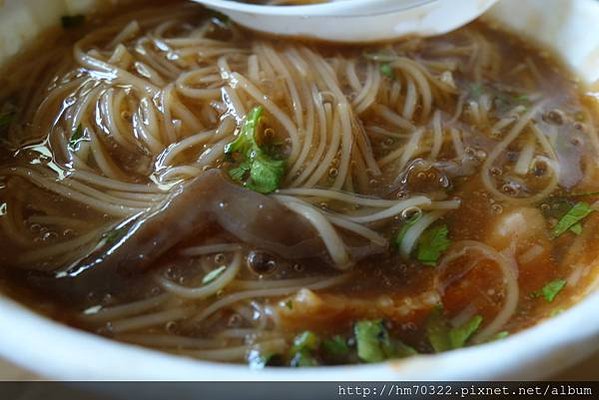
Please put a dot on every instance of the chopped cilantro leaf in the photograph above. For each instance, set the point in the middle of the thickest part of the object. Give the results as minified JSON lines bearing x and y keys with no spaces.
{"x":212,"y":275}
{"x":459,"y":336}
{"x":335,"y":346}
{"x":387,"y":70}
{"x":372,"y":341}
{"x":76,"y":137}
{"x":266,"y":174}
{"x":72,"y":21}
{"x":113,"y":236}
{"x":556,"y":312}
{"x":550,"y":290}
{"x":500,"y":335}
{"x":522,"y":99}
{"x":303,"y":346}
{"x":305,"y":341}
{"x":433,"y":242}
{"x":475,"y":90}
{"x":506,"y":101}
{"x":437,"y":331}
{"x":576,"y":229}
{"x":258,"y":169}
{"x":442,"y":337}
{"x":497,"y":336}
{"x":576,"y":214}
{"x":289,"y":304}
{"x":398,"y":349}
{"x":239,"y":173}
{"x":246,"y":140}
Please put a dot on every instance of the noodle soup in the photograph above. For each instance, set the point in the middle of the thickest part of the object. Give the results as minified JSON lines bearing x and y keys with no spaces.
{"x":173,"y":181}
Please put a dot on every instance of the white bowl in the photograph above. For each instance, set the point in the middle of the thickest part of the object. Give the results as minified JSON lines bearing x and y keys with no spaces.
{"x":330,"y":21}
{"x":570,"y":27}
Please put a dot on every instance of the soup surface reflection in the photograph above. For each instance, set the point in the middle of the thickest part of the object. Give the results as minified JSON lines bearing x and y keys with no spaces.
{"x":171,"y":180}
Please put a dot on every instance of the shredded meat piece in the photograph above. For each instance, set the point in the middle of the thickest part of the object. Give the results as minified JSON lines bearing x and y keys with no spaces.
{"x":308,"y":310}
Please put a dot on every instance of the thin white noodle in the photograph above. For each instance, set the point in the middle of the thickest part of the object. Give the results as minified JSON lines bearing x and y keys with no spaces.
{"x":253,"y":294}
{"x":207,"y":290}
{"x":390,"y":212}
{"x":509,"y":270}
{"x":326,"y":231}
{"x":147,"y":320}
{"x":125,"y":310}
{"x":275,"y":346}
{"x":210,"y":249}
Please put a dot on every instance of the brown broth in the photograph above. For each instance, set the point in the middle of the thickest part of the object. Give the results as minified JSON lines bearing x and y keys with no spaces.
{"x":513,"y":73}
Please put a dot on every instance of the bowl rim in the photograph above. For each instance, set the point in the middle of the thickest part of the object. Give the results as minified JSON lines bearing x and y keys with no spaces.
{"x":345,"y":8}
{"x":57,"y":351}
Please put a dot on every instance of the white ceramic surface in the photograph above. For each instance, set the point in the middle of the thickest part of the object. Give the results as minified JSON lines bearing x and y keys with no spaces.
{"x":57,"y":351}
{"x":355,"y":20}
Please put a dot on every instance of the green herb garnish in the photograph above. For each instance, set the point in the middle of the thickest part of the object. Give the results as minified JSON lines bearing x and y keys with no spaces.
{"x":556,"y":312}
{"x":240,"y":172}
{"x":443,"y":338}
{"x":266,"y":174}
{"x":437,"y":331}
{"x":289,"y":304}
{"x":433,"y":242}
{"x":374,"y":344}
{"x":304,"y":345}
{"x":459,"y":336}
{"x":507,"y":101}
{"x":212,"y":275}
{"x":475,"y":90}
{"x":112,"y":236}
{"x":499,"y":336}
{"x":522,"y":99}
{"x":573,"y":217}
{"x":387,"y":70}
{"x":550,"y":290}
{"x":72,"y":21}
{"x":370,"y":339}
{"x":259,"y":170}
{"x":305,"y":341}
{"x":399,"y":349}
{"x":504,"y":101}
{"x":76,"y":138}
{"x":576,"y":229}
{"x":335,"y":346}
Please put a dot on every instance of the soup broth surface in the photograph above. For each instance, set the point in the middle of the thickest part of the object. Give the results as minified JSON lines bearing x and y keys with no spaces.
{"x":171,"y":180}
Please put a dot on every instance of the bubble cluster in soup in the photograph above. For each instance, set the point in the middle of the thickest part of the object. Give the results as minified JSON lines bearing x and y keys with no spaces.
{"x":171,"y":180}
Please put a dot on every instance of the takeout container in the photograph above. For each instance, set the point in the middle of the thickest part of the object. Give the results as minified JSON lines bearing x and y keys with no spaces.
{"x":570,"y":27}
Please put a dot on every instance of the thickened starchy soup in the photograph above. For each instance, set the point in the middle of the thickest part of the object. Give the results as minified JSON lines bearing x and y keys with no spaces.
{"x":171,"y":180}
